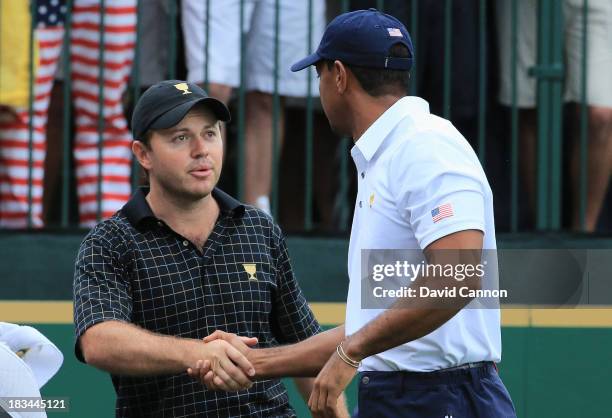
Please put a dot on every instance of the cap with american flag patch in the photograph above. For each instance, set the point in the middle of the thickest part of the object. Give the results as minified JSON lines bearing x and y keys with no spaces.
{"x":363,"y":38}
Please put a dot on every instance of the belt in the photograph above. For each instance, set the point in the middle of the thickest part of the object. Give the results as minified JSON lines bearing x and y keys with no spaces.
{"x":467,"y":366}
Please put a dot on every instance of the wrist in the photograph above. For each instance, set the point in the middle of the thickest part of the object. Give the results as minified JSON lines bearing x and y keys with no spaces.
{"x":192,"y":351}
{"x":257,"y":357}
{"x":352,"y":348}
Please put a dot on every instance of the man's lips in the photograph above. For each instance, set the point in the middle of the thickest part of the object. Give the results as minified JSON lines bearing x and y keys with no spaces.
{"x":201,"y":171}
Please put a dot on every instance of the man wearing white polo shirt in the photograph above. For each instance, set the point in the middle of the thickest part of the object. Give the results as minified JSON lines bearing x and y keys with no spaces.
{"x":420,"y":188}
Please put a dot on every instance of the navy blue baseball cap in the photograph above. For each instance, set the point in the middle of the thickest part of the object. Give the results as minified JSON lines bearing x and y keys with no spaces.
{"x":166,"y":103}
{"x":363,"y":38}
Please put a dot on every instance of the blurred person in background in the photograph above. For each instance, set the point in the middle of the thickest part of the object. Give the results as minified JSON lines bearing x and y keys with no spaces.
{"x":598,"y":95}
{"x":98,"y":109}
{"x":223,"y":64}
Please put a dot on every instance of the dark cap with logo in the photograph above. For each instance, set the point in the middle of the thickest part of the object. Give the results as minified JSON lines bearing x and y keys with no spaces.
{"x":165,"y":104}
{"x":363,"y":38}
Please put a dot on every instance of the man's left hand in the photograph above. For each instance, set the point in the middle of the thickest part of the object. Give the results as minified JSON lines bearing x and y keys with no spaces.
{"x":329,"y":384}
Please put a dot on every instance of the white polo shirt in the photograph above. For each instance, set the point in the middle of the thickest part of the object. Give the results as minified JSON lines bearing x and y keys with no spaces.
{"x":410,"y":163}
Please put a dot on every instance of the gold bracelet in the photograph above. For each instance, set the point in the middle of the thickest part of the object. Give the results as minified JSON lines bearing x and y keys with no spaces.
{"x":345,"y":358}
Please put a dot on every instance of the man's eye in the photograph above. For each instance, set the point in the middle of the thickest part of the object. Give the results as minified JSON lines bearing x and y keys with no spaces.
{"x":180,"y":138}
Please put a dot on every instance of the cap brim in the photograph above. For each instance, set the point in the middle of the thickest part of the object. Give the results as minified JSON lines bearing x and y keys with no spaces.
{"x":306,"y":62}
{"x":175,"y":115}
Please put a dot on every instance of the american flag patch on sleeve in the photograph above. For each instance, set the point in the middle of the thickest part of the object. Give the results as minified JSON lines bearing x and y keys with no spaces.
{"x":441,"y":212}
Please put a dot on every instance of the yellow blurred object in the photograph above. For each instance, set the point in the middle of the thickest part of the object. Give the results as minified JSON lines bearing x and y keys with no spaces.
{"x":15,"y":27}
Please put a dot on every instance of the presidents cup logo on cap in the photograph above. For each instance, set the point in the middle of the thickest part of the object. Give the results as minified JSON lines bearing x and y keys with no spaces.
{"x":183,"y":87}
{"x":161,"y":106}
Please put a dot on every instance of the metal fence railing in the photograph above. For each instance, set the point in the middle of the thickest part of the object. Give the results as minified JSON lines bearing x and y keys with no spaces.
{"x":108,"y":35}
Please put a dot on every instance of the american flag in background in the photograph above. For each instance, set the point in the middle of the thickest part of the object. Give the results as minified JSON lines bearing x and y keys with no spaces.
{"x":85,"y":45}
{"x":88,"y":52}
{"x":15,"y":180}
{"x":49,"y":33}
{"x":441,"y":212}
{"x":50,"y":13}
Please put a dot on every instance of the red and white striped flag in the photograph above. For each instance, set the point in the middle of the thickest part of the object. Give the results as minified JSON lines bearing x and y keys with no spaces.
{"x":86,"y":58}
{"x":15,"y":180}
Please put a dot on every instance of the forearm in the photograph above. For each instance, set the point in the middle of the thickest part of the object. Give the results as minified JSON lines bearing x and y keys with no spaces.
{"x":407,"y":320}
{"x":126,"y":349}
{"x":414,"y":317}
{"x":393,"y":328}
{"x":304,"y":359}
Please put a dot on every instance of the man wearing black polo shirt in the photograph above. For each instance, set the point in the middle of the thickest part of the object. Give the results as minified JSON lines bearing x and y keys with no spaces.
{"x":179,"y":261}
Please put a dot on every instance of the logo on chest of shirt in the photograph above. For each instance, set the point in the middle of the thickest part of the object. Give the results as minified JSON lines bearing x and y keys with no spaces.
{"x":251,"y":269}
{"x":371,"y":199}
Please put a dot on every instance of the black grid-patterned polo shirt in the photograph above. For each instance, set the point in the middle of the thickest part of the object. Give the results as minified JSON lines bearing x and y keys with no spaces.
{"x":134,"y":268}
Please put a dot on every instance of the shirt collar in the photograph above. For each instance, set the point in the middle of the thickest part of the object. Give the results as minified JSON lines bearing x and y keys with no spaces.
{"x":374,"y":136}
{"x":137,"y":209}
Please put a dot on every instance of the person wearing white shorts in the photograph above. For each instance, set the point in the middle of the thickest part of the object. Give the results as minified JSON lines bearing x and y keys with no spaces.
{"x":221,"y":68}
{"x":598,"y":92}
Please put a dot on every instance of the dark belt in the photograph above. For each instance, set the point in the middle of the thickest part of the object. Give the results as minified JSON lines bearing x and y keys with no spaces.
{"x":468,"y":366}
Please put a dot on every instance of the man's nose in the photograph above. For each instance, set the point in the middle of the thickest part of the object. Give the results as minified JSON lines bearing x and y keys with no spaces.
{"x":199,"y":147}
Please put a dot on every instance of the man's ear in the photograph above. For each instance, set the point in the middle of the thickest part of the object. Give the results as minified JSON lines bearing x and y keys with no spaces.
{"x":142,"y":154}
{"x":340,"y":76}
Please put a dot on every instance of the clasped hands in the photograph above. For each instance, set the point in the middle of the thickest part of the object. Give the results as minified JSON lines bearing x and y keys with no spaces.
{"x":230,"y":369}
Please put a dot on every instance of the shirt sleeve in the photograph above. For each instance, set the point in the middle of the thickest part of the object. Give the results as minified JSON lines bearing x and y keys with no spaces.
{"x":101,"y":288}
{"x":293,"y":319}
{"x":441,"y":192}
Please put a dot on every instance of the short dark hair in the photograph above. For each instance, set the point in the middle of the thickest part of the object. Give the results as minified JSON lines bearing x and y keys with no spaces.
{"x":380,"y":81}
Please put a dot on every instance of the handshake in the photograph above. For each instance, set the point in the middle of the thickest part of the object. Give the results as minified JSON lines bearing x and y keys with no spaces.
{"x":226,"y":363}
{"x":229,"y":362}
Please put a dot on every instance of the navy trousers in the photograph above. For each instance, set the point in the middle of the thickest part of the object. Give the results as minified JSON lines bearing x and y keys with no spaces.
{"x":468,"y":393}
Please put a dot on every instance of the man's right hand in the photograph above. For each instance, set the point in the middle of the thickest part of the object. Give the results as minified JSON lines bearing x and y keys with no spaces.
{"x":228,"y":367}
{"x":220,"y":374}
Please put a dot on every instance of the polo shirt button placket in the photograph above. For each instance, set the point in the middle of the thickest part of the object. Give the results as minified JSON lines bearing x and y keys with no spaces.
{"x":360,"y":204}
